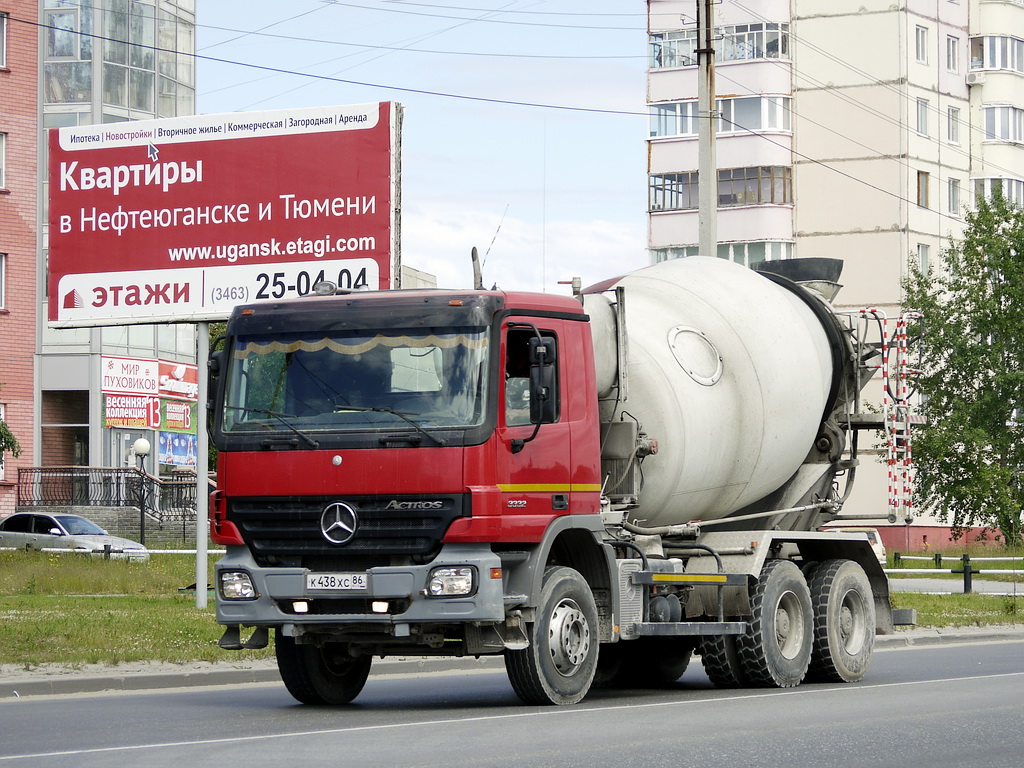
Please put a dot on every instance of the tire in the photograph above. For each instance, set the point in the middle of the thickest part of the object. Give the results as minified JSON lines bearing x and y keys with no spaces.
{"x":721,"y":660}
{"x":776,"y":650}
{"x":844,"y":621}
{"x":323,"y":674}
{"x":559,"y":665}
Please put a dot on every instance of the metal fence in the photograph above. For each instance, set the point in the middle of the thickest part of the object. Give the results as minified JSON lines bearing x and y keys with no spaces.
{"x":966,"y":568}
{"x":163,"y":500}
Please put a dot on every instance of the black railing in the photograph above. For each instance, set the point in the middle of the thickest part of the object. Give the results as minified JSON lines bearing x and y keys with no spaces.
{"x":162,"y":500}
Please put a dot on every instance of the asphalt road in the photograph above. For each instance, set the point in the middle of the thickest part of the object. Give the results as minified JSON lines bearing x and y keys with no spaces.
{"x":935,"y":705}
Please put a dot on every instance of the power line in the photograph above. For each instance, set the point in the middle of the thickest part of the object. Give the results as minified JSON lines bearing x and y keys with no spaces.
{"x":381,"y":86}
{"x":539,"y":105}
{"x":417,"y":38}
{"x":404,"y":11}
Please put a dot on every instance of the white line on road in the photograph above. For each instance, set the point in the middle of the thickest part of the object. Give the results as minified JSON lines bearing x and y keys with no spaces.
{"x":544,"y":712}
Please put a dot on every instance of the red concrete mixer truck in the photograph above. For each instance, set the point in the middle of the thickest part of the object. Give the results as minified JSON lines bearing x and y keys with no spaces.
{"x":595,"y":487}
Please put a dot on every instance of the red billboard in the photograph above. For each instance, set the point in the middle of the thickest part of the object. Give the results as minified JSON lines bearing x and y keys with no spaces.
{"x":181,"y":219}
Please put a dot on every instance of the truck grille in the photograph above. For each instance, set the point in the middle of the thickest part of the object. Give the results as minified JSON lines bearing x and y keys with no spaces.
{"x":278,"y":529}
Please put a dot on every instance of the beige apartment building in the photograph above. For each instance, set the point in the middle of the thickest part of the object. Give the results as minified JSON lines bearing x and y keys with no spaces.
{"x":859,"y":131}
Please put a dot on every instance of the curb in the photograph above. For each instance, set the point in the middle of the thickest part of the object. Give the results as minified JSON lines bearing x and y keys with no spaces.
{"x":926,"y":637}
{"x":61,"y":681}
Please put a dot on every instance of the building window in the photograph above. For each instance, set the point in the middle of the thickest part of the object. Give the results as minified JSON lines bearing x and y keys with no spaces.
{"x":3,"y":280}
{"x":3,"y":39}
{"x":734,"y":43}
{"x":997,"y":52}
{"x":3,"y":161}
{"x":922,"y":116}
{"x":760,"y":185}
{"x":954,"y":197}
{"x":952,"y":53}
{"x":1003,"y":123}
{"x":921,"y":45}
{"x":739,"y":115}
{"x":1012,"y":189}
{"x":743,"y":253}
{"x":922,"y":188}
{"x":922,"y":257}
{"x":953,"y":125}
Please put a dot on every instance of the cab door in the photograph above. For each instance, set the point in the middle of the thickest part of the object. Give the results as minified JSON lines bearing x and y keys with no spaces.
{"x":533,"y":462}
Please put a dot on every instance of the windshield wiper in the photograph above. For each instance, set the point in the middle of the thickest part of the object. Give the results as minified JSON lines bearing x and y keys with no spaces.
{"x":400,"y":414}
{"x":282,"y":417}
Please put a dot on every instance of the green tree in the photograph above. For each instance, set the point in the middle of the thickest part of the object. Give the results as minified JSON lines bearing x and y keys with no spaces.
{"x":970,"y":454}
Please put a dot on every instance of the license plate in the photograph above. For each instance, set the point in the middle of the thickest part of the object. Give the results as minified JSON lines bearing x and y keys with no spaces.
{"x":339,"y":581}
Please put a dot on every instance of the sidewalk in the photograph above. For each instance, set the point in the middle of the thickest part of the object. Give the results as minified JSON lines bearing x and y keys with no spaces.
{"x":16,"y":682}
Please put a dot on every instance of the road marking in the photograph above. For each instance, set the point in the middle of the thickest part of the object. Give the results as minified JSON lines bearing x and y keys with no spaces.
{"x":545,"y":712}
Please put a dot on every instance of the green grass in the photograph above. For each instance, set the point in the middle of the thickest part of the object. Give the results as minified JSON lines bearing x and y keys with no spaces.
{"x":961,"y":610}
{"x":74,"y":610}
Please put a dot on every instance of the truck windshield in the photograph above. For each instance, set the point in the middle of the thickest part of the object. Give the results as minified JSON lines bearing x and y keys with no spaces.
{"x":345,"y":381}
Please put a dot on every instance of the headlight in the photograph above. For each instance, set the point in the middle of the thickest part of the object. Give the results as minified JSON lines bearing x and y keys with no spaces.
{"x":237,"y":585}
{"x":449,"y":582}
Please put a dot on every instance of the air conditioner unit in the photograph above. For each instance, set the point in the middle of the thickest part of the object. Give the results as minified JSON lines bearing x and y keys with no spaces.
{"x":975,"y":78}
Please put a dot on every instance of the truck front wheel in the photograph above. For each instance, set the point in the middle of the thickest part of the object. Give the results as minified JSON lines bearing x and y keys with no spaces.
{"x":558,"y":666}
{"x":844,"y":621}
{"x":320,"y":674}
{"x":776,"y":650}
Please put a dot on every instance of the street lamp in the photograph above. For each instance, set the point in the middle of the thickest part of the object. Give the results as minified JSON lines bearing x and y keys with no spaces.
{"x":141,"y":448}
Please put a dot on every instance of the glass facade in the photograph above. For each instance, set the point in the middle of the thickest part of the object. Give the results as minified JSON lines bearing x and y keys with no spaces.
{"x":107,"y":61}
{"x":125,"y":59}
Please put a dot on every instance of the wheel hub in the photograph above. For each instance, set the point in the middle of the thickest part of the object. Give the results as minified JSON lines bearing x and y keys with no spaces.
{"x":568,"y":637}
{"x":789,"y":625}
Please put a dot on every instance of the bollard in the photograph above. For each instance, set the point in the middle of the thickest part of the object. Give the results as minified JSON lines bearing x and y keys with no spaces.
{"x":967,"y":574}
{"x":938,"y":559}
{"x":896,"y":559}
{"x":106,"y":551}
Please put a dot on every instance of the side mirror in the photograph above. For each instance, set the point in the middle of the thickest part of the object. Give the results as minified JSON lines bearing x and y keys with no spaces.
{"x":543,"y":394}
{"x":215,"y":363}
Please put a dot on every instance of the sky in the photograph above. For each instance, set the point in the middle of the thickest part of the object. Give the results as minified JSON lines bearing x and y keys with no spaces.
{"x":549,"y":188}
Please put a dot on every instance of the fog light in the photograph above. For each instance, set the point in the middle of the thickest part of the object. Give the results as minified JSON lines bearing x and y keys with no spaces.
{"x":300,"y":606}
{"x":379,"y":606}
{"x":450,"y":582}
{"x":237,"y":585}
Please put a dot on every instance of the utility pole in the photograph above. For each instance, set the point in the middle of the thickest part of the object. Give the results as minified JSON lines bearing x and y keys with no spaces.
{"x":707,"y":125}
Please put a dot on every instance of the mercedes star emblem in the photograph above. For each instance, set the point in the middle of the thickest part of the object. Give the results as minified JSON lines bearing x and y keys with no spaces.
{"x":338,"y":522}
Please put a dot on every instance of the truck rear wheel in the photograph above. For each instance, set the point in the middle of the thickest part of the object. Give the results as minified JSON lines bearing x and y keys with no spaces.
{"x":721,"y":661}
{"x":844,"y":621}
{"x":776,"y":650}
{"x":558,"y":666}
{"x":320,"y":674}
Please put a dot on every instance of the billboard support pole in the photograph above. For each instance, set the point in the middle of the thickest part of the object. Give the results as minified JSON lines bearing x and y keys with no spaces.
{"x":202,"y":465}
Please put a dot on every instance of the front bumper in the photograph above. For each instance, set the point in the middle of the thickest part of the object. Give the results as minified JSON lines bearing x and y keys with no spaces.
{"x":401,"y":588}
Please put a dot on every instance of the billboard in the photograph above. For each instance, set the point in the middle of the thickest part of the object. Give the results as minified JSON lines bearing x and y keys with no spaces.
{"x":180,"y":219}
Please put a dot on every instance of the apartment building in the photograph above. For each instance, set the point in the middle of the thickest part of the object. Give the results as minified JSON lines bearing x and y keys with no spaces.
{"x":858,"y":131}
